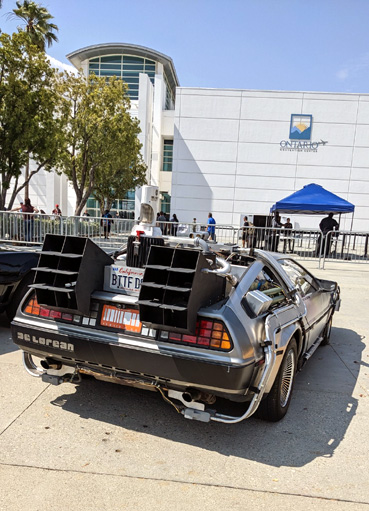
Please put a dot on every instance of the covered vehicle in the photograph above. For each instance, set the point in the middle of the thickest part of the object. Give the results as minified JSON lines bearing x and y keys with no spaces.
{"x":15,"y":277}
{"x":203,"y":324}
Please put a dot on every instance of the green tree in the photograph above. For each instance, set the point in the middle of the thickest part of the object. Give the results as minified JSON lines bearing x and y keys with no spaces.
{"x":30,"y":113}
{"x":101,"y":138}
{"x":37,"y":23}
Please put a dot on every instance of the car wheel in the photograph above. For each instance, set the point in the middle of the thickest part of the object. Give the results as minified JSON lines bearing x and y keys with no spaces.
{"x":274,"y":407}
{"x":18,"y":295}
{"x":327,"y":332}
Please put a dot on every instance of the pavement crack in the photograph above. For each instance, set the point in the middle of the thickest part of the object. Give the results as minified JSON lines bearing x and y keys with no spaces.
{"x":184,"y":482}
{"x":25,"y":409}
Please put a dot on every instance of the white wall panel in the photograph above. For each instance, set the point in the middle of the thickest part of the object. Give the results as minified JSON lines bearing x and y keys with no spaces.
{"x":255,"y":131}
{"x":204,"y":191}
{"x":191,"y":91}
{"x":223,"y":130}
{"x":215,"y":106}
{"x":256,"y":195}
{"x":313,"y":172}
{"x":360,"y":187}
{"x":273,"y":94}
{"x":360,"y":174}
{"x":265,"y":170}
{"x":276,"y":183}
{"x":331,"y":110}
{"x":210,"y":151}
{"x":327,"y":156}
{"x":361,"y":157}
{"x":212,"y":180}
{"x":363,"y":113}
{"x":206,"y":167}
{"x":330,"y":96}
{"x":270,"y":109}
{"x":362,"y":135}
{"x":265,"y":153}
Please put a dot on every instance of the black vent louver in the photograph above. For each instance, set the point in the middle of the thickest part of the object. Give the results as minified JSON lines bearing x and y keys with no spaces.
{"x":174,"y":287}
{"x":138,"y":250}
{"x":70,"y":268}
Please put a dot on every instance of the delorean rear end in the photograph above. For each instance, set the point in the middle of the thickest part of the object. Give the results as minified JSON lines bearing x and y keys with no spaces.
{"x":194,"y":321}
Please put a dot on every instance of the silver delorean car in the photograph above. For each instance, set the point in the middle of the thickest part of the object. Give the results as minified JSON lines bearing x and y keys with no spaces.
{"x":201,"y":323}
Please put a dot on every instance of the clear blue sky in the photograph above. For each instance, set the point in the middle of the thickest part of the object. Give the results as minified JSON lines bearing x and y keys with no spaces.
{"x":303,"y":45}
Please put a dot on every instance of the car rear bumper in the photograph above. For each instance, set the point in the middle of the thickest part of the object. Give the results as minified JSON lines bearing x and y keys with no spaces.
{"x":165,"y":366}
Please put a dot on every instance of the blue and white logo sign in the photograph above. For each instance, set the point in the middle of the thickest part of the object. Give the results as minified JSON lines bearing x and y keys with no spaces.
{"x":300,"y":127}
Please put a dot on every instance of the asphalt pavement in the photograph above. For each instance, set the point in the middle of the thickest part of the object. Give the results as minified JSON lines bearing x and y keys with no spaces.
{"x":99,"y":446}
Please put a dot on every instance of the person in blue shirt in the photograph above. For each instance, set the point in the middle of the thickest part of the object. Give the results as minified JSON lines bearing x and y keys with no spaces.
{"x":106,"y":222}
{"x":211,"y":227}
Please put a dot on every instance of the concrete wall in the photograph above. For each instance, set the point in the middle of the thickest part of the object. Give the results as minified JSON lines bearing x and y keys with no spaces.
{"x":228,"y":157}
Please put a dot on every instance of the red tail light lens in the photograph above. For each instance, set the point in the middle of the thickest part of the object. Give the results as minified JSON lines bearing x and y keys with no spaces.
{"x":32,"y":307}
{"x":209,"y":334}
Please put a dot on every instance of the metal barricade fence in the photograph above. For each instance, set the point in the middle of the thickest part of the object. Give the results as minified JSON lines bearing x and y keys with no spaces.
{"x":20,"y":228}
{"x":31,"y":228}
{"x":343,"y":246}
{"x":302,"y":243}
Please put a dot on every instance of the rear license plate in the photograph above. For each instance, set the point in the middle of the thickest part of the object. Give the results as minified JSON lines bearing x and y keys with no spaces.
{"x":125,"y":319}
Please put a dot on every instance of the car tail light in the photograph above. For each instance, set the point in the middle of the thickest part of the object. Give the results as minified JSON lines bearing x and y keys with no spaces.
{"x":34,"y":309}
{"x":209,"y":334}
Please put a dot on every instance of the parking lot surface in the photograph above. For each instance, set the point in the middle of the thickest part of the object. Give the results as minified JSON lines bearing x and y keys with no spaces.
{"x":95,"y":445}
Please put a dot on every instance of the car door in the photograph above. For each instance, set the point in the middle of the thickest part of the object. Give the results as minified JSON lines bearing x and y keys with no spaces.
{"x":316,"y":303}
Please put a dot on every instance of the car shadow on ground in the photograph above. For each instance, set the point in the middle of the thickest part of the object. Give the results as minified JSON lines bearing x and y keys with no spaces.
{"x":317,"y":420}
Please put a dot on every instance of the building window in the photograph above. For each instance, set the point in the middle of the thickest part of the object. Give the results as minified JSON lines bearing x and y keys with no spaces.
{"x":169,"y":97}
{"x":165,"y":202}
{"x":126,"y":67}
{"x":124,"y":208}
{"x":168,"y":156}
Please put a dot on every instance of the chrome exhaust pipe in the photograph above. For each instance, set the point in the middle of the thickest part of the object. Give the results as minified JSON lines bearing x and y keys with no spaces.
{"x":49,"y":363}
{"x":190,"y":396}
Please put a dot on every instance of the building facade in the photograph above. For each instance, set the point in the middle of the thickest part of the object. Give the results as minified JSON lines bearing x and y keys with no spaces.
{"x":237,"y":152}
{"x":231,"y":152}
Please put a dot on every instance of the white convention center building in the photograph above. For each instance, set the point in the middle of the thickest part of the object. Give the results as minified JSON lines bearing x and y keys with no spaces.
{"x":231,"y":152}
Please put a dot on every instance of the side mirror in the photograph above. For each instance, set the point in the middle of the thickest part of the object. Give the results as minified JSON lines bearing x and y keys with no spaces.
{"x":258,"y":302}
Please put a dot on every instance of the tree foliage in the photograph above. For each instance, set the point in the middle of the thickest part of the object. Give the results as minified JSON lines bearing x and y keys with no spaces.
{"x":30,"y":112}
{"x":101,"y":152}
{"x":37,"y":23}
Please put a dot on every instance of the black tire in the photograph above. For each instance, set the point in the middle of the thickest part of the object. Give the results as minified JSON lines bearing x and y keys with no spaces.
{"x":274,"y":407}
{"x":327,"y":332}
{"x":22,"y":289}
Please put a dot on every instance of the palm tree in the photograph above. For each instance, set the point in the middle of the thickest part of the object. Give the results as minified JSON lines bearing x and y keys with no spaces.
{"x":37,"y":19}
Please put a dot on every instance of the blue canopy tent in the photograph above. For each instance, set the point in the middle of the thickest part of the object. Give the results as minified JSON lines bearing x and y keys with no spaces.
{"x":313,"y":200}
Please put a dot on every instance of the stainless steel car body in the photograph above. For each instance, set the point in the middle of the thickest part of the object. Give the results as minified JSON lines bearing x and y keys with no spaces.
{"x":245,"y":373}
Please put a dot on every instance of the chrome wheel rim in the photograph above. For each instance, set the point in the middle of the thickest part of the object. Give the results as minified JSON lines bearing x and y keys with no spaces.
{"x":287,"y":378}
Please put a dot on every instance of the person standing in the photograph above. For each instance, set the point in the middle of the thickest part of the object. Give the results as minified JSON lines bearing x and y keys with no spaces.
{"x":162,"y":219}
{"x":57,"y":210}
{"x":28,"y":219}
{"x":211,"y":227}
{"x":194,"y":226}
{"x":247,"y":233}
{"x":327,"y":225}
{"x":288,"y":226}
{"x":275,"y":234}
{"x":174,"y":227}
{"x":106,"y":222}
